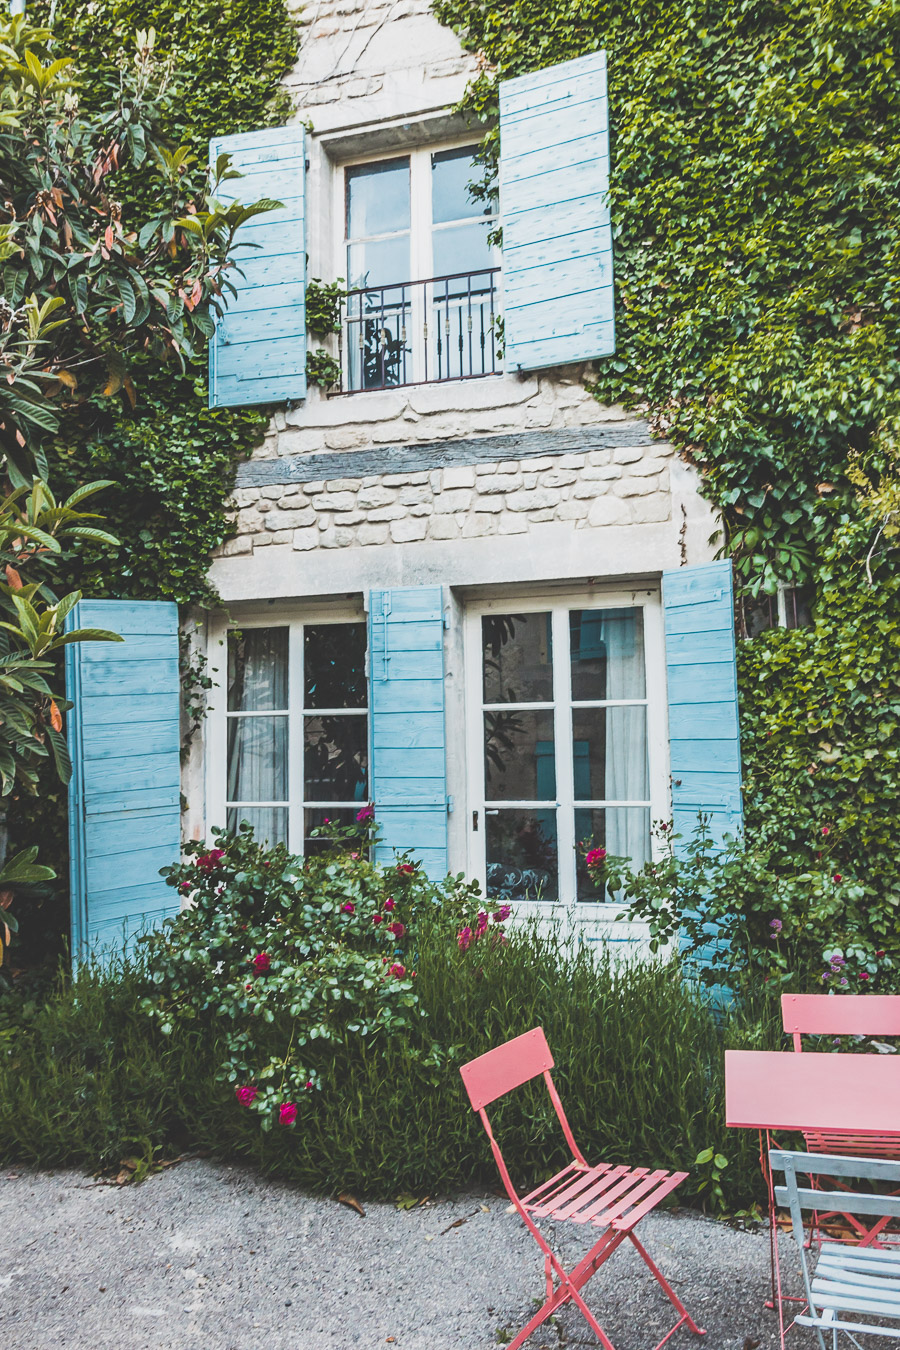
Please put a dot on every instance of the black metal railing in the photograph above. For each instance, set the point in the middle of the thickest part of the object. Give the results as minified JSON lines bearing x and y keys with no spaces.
{"x":420,"y":332}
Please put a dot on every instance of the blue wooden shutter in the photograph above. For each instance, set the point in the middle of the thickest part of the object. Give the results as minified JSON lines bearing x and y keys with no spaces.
{"x":258,"y":353}
{"x":704,"y":733}
{"x":406,"y":680}
{"x":557,"y":239}
{"x":125,"y":790}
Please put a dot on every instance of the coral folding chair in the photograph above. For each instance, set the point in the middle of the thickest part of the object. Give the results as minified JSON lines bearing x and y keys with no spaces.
{"x":610,"y":1199}
{"x":845,"y":1015}
{"x":850,"y":1282}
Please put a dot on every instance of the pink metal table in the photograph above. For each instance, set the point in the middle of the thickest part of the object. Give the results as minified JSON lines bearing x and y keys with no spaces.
{"x":770,"y":1090}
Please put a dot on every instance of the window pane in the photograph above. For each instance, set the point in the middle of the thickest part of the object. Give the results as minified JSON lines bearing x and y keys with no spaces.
{"x":335,"y":759}
{"x":270,"y":823}
{"x":461,"y":248}
{"x":334,"y":665}
{"x":517,"y":658}
{"x":257,"y":669}
{"x":451,"y":173}
{"x":607,"y":648}
{"x":519,"y":762}
{"x":322,"y":815}
{"x":521,"y":855}
{"x":257,"y":759}
{"x":622,"y":831}
{"x":610,"y":753}
{"x":382,"y":262}
{"x":378,"y":198}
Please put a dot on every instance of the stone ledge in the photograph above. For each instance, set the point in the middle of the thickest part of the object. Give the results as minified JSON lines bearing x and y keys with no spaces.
{"x":444,"y":454}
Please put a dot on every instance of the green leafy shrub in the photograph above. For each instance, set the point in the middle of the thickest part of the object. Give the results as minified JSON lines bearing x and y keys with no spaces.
{"x":322,"y":369}
{"x":85,"y":1072}
{"x":323,"y":306}
{"x":745,"y":917}
{"x":288,"y":953}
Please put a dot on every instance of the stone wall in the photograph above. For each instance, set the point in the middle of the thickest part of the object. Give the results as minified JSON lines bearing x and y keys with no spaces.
{"x":599,"y":485}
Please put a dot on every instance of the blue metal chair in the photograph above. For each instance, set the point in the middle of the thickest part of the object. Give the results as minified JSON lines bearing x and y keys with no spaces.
{"x":851,"y":1280}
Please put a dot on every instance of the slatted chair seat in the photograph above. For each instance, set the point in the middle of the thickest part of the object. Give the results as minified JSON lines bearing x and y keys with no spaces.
{"x":610,"y":1198}
{"x":606,"y":1196}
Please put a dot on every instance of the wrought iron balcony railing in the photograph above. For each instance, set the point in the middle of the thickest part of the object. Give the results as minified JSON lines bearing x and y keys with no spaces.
{"x":421,"y":332}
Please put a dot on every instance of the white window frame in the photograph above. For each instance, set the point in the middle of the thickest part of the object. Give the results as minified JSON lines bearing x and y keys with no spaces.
{"x":295,"y":619}
{"x":421,"y":225}
{"x":568,"y":909}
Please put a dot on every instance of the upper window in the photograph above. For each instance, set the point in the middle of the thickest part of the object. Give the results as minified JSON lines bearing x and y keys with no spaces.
{"x":296,"y":729}
{"x":420,"y":271}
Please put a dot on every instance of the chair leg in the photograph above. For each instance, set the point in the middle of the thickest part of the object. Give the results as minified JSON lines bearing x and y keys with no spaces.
{"x":667,"y":1289}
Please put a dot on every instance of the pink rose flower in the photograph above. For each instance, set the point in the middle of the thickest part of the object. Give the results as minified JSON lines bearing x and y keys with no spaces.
{"x":376,"y":918}
{"x":207,"y":862}
{"x":481,"y":923}
{"x":367,"y":813}
{"x":348,"y":908}
{"x":247,"y":1095}
{"x":502,"y":914}
{"x":261,"y":963}
{"x":595,"y":857}
{"x":405,"y":867}
{"x":837,"y":877}
{"x":287,"y":1113}
{"x":825,"y":829}
{"x":309,"y":1084}
{"x":464,"y":939}
{"x":863,"y":974}
{"x":398,"y":928}
{"x":185,"y":887}
{"x":389,"y":903}
{"x":398,"y":971}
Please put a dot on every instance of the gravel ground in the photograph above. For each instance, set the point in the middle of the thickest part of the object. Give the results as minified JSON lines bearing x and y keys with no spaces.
{"x":209,"y":1257}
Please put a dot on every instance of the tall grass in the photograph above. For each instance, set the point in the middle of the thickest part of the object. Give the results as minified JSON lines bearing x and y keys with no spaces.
{"x":85,"y":1078}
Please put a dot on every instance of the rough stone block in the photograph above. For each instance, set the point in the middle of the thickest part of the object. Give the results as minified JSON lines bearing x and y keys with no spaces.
{"x":599,"y":457}
{"x":396,"y":479}
{"x":349,"y":517}
{"x":589,"y":490}
{"x":628,"y":454}
{"x":272,"y":492}
{"x":372,"y":534}
{"x":558,"y":478}
{"x":459,"y":477}
{"x":635,"y":487}
{"x":491,"y":504}
{"x":335,"y":501}
{"x":535,"y":500}
{"x":548,"y":513}
{"x":499,"y":482}
{"x":306,"y":539}
{"x":645,"y":468}
{"x":336,"y":538}
{"x":344,"y":485}
{"x":311,"y":488}
{"x":413,"y":496}
{"x":250,"y":520}
{"x":371,"y":497}
{"x":482,"y":469}
{"x":575,"y":461}
{"x":232,"y":547}
{"x":394,"y":512}
{"x":609,"y":511}
{"x":475,"y":527}
{"x":572,"y":510}
{"x":443,"y":527}
{"x":290,"y":520}
{"x":293,"y":501}
{"x":423,"y":509}
{"x":458,"y":500}
{"x":408,"y":531}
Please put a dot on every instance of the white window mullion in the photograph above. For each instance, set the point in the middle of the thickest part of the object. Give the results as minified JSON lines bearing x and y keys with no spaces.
{"x":565,"y":760}
{"x":476,"y":853}
{"x":421,"y":262}
{"x":295,"y":738}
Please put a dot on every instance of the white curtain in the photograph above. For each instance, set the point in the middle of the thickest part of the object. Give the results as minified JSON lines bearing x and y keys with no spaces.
{"x":258,"y":745}
{"x":627,"y":828}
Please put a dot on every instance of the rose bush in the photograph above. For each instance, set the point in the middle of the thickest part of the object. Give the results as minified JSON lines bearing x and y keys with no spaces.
{"x":285,"y":952}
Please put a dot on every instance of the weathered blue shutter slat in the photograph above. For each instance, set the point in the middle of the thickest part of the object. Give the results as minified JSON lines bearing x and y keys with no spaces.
{"x":704,"y":730}
{"x":557,"y":238}
{"x":408,"y":766}
{"x":258,"y":354}
{"x":125,"y":792}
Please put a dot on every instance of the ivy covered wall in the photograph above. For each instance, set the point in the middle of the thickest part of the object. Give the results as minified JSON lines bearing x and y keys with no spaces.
{"x":171,"y":458}
{"x":754,"y":181}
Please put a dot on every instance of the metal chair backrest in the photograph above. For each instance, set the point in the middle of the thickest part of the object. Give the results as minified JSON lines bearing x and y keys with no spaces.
{"x":840,"y":1015}
{"x":506,"y":1068}
{"x":798,"y":1198}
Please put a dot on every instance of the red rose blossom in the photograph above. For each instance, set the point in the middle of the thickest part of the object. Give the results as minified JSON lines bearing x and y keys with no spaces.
{"x":261,"y":963}
{"x":348,"y":908}
{"x":365,"y":814}
{"x":398,"y":928}
{"x":837,"y":877}
{"x":376,"y":918}
{"x":287,"y":1113}
{"x":247,"y":1095}
{"x":405,"y":867}
{"x":398,"y":971}
{"x":595,"y":857}
{"x":389,"y":903}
